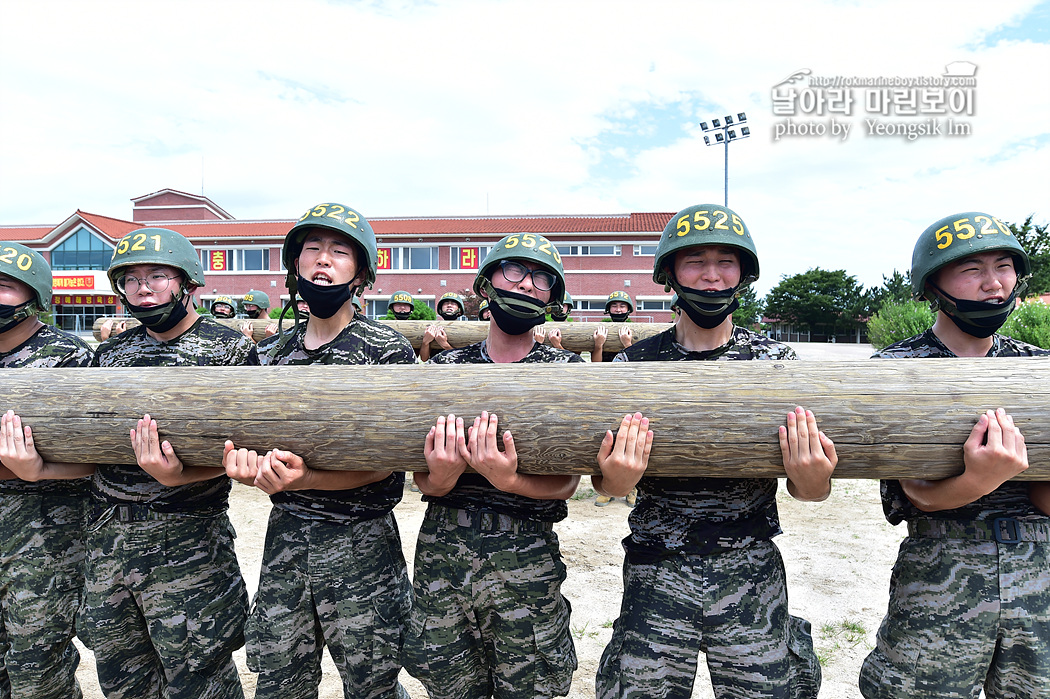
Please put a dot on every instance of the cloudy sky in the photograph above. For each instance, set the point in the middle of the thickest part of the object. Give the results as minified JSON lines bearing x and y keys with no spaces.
{"x":528,"y":107}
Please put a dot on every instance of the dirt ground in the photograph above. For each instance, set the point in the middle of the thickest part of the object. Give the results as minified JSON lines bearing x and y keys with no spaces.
{"x":838,"y":556}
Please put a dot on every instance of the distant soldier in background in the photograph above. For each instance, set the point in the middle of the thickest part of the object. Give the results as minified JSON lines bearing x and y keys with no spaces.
{"x":255,"y":305}
{"x":619,"y":308}
{"x":223,"y":307}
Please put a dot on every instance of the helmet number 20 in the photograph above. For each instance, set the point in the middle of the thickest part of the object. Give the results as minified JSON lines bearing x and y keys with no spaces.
{"x":24,"y":261}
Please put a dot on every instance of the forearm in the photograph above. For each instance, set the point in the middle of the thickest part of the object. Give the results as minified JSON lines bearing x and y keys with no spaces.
{"x":7,"y":474}
{"x":1039,"y":494}
{"x":809,"y":492}
{"x":612,"y":488}
{"x":947,"y":494}
{"x":433,"y":484}
{"x":539,"y":487}
{"x":57,"y":470}
{"x":317,"y":479}
{"x":191,"y":474}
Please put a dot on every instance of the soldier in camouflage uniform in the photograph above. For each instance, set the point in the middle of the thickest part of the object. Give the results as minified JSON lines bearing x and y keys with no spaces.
{"x":255,"y":305}
{"x":42,"y":504}
{"x":489,"y":618}
{"x":701,"y":572}
{"x":165,"y":603}
{"x":970,"y":592}
{"x":333,"y":572}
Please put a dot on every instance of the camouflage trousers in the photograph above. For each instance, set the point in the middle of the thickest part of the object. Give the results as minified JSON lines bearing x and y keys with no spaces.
{"x":344,"y":585}
{"x":730,"y":605}
{"x":165,"y":605}
{"x":41,"y":583}
{"x":964,"y":615}
{"x":489,"y":617}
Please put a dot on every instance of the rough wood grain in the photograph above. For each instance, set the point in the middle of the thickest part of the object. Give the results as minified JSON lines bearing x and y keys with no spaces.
{"x":578,"y":337}
{"x":888,"y":418}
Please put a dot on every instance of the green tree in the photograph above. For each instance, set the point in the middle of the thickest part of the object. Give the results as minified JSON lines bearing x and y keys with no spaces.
{"x":750,"y":311}
{"x":899,"y":321}
{"x":1036,"y":242}
{"x":895,"y":289}
{"x":818,"y":299}
{"x":1029,"y":323}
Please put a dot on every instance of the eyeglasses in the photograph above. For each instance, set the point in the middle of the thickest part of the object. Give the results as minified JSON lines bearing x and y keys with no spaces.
{"x":156,"y":282}
{"x":514,"y":272}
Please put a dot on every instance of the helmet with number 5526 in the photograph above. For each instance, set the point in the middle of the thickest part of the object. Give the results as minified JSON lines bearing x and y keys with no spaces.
{"x":957,"y":236}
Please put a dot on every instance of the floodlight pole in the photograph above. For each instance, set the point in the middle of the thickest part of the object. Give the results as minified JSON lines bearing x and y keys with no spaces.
{"x":728,"y":133}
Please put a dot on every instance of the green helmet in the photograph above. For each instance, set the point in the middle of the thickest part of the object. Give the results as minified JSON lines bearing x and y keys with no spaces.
{"x":341,"y":219}
{"x":705,"y":224}
{"x":402,"y":297}
{"x":954,"y":237}
{"x":228,"y":300}
{"x":256,"y":298}
{"x":524,"y":246}
{"x":622,"y":296}
{"x":29,"y":267}
{"x":567,"y":300}
{"x":156,"y":246}
{"x":482,"y":307}
{"x":453,"y":296}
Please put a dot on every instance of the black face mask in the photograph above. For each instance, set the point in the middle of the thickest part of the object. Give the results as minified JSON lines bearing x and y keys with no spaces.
{"x":515,"y":314}
{"x":13,"y":316}
{"x":559,"y":315}
{"x":324,"y":300}
{"x":978,"y":318}
{"x":402,"y":315}
{"x":708,"y":309}
{"x":619,"y":317}
{"x":160,"y":319}
{"x":450,"y":315}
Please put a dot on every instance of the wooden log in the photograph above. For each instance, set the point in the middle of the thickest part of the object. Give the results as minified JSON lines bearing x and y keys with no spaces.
{"x":888,"y":418}
{"x":578,"y":337}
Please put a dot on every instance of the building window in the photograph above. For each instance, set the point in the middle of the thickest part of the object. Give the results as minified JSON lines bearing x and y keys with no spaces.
{"x":418,"y":258}
{"x":645,"y":250}
{"x":468,"y":257}
{"x":591,"y":306}
{"x":81,"y":251}
{"x":575,"y":250}
{"x":236,"y":260}
{"x":80,"y":319}
{"x":654,"y":305}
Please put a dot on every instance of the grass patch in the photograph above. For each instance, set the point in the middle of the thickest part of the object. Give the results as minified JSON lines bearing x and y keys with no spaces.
{"x":837,"y":636}
{"x":583,"y":493}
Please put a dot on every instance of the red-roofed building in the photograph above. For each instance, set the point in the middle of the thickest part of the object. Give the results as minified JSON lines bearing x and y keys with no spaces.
{"x":424,"y":256}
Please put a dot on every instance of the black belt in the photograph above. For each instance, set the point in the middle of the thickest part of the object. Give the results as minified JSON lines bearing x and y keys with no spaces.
{"x":1005,"y":530}
{"x":485,"y":520}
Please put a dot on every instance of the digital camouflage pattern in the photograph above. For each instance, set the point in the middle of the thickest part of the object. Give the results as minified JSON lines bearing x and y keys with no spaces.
{"x":355,"y":600}
{"x":701,"y":574}
{"x":473,"y":491}
{"x":966,"y":612}
{"x":206,"y":343}
{"x":164,"y":607}
{"x":737,"y":614}
{"x":41,"y":555}
{"x":493,"y":553}
{"x":333,"y":570}
{"x":362,"y":341}
{"x":165,"y":602}
{"x":515,"y":643}
{"x":702,"y":515}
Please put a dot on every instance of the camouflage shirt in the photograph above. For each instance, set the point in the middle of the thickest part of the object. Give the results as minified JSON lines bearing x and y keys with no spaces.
{"x":702,"y":515}
{"x":1008,"y":500}
{"x":206,"y":343}
{"x":473,"y":491}
{"x":362,"y":341}
{"x":47,"y":347}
